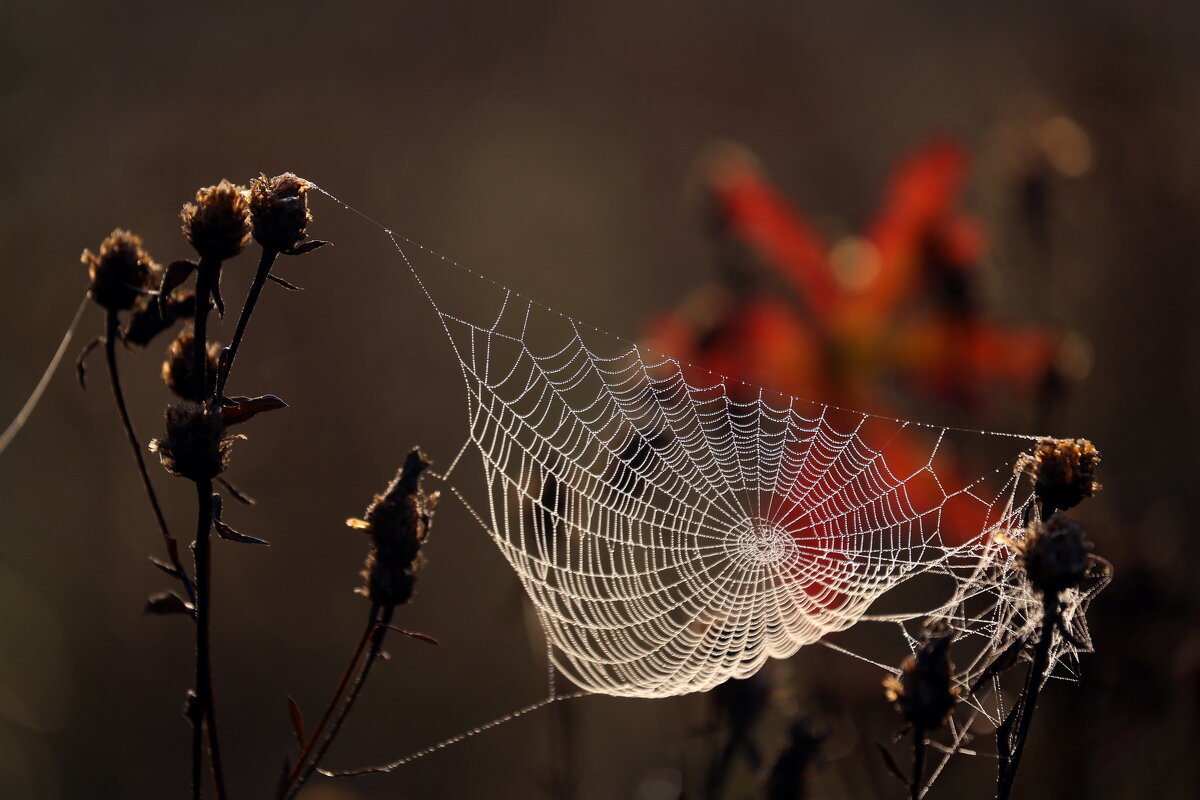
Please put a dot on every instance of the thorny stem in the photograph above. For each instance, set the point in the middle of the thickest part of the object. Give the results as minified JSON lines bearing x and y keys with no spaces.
{"x":333,"y":702}
{"x":111,"y":333}
{"x":918,"y":773}
{"x":230,"y":353}
{"x":377,"y":629}
{"x":1027,"y":702}
{"x":204,"y":718}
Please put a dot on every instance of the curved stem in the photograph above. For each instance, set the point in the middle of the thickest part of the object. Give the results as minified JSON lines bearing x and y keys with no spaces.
{"x":111,"y":333}
{"x":378,"y":628}
{"x":230,"y":353}
{"x":333,"y":702}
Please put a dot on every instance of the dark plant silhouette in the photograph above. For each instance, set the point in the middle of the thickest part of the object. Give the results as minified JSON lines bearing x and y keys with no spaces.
{"x":197,"y":442}
{"x":398,"y":523}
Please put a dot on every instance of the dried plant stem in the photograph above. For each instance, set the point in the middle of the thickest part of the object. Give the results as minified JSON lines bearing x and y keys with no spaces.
{"x":204,"y":714}
{"x":376,"y":630}
{"x":917,"y":785}
{"x":206,"y":276}
{"x":1022,"y":712}
{"x":265,"y":263}
{"x":111,"y":334}
{"x":347,"y":675}
{"x":202,"y":717}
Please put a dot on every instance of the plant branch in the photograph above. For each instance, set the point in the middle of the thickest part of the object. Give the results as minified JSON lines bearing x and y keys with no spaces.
{"x":1022,"y":713}
{"x":380,"y":620}
{"x":917,"y":784}
{"x":206,"y":275}
{"x":201,"y":716}
{"x":204,"y":714}
{"x":111,"y":333}
{"x":265,"y":263}
{"x":347,"y":675}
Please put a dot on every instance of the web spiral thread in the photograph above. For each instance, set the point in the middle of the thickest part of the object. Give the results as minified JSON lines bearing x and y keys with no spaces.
{"x":675,"y":529}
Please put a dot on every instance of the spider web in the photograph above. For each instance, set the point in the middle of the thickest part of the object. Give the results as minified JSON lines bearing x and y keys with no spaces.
{"x":674,"y":528}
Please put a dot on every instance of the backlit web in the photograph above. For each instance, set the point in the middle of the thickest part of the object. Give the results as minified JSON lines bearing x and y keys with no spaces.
{"x":675,"y":528}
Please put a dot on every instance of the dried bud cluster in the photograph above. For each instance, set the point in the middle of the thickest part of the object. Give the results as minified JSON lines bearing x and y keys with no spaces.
{"x":179,"y":368}
{"x":217,"y":224}
{"x":923,"y":694}
{"x":398,"y":523}
{"x":1063,"y":471}
{"x":195,"y":445}
{"x":279,"y":211}
{"x":1056,"y":555}
{"x":122,"y":271}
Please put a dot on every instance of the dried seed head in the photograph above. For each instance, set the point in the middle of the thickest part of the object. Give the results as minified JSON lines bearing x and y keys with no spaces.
{"x":1056,"y":555}
{"x":279,"y":211}
{"x":122,"y":272}
{"x":922,"y":693}
{"x":217,"y":224}
{"x":179,"y":368}
{"x":398,"y":523}
{"x":151,"y":317}
{"x":195,"y":445}
{"x":1063,"y":471}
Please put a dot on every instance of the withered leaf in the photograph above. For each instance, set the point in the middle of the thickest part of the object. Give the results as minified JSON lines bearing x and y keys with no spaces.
{"x":236,"y":410}
{"x":168,"y":603}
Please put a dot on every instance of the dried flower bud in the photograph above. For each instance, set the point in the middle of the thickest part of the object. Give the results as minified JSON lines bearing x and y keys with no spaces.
{"x":923,"y":694}
{"x":151,"y":316}
{"x":195,"y":445}
{"x":179,"y":368}
{"x":1055,"y":555}
{"x":398,"y":523}
{"x":279,"y":211}
{"x":1063,"y":471}
{"x":217,"y":225}
{"x":122,"y":272}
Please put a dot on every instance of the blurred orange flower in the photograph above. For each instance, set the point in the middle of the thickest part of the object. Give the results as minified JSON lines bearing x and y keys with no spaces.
{"x":851,"y":321}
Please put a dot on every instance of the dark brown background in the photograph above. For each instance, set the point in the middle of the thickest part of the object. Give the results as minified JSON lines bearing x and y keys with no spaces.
{"x":553,"y":146}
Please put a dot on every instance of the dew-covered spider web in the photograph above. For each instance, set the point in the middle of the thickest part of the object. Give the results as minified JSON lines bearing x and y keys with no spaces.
{"x":675,"y":528}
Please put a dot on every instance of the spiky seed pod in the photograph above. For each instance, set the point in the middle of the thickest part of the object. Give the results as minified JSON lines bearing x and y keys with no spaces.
{"x":398,"y":523}
{"x":279,"y":211}
{"x":1056,"y":555}
{"x":1063,"y":471}
{"x":195,"y":445}
{"x":150,"y":317}
{"x":217,"y":224}
{"x":179,"y":368}
{"x":922,"y":693}
{"x":122,"y":272}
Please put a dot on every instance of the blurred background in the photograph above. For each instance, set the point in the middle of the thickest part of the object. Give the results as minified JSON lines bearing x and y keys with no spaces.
{"x":590,"y":155}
